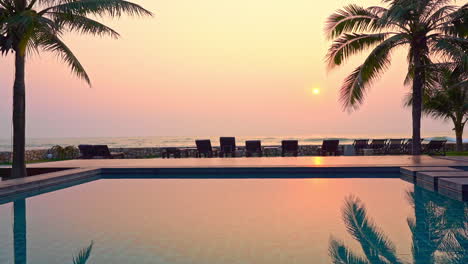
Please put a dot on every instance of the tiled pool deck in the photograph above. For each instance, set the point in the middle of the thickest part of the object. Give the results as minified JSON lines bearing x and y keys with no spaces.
{"x":241,"y":167}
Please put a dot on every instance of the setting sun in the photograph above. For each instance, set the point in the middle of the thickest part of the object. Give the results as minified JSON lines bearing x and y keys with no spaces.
{"x":316,"y":91}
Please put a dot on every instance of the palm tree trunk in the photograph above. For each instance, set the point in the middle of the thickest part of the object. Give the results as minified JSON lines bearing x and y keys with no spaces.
{"x":416,"y":112}
{"x":19,"y":118}
{"x":418,"y":83}
{"x":459,"y":137}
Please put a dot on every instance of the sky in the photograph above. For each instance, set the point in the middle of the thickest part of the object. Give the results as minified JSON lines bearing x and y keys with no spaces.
{"x":208,"y":67}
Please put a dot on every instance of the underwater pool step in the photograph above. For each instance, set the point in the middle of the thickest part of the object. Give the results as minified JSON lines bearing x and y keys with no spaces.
{"x":455,"y":188}
{"x":409,"y":173}
{"x":432,"y":181}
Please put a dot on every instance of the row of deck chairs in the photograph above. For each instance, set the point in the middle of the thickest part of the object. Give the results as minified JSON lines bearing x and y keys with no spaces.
{"x":288,"y":147}
{"x":227,"y":148}
{"x":397,"y":146}
{"x":254,"y":148}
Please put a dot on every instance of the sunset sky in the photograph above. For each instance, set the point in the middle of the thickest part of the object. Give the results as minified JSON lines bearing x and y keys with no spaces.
{"x":208,"y":67}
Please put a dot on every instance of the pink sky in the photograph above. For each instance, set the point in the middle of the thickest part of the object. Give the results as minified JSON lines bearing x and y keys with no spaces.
{"x":208,"y":67}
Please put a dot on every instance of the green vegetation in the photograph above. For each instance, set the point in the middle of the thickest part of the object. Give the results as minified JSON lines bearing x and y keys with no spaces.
{"x":31,"y":26}
{"x":446,"y":96}
{"x":457,"y":153}
{"x":429,"y":29}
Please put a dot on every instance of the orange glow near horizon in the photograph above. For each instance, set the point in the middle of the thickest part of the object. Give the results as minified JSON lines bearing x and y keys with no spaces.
{"x":196,"y":63}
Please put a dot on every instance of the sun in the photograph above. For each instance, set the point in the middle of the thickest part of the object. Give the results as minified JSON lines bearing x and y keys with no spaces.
{"x":316,"y":91}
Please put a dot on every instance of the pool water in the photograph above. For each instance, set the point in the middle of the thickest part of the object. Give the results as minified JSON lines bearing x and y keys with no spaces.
{"x":236,"y":221}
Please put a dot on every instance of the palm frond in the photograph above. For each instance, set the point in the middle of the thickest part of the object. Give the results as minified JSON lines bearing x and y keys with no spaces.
{"x":83,"y":255}
{"x":453,"y":49}
{"x":351,"y":18}
{"x":440,"y":15}
{"x":113,"y":8}
{"x":375,"y":244}
{"x":355,"y":85}
{"x":51,"y":42}
{"x":447,"y":96}
{"x":455,"y":23}
{"x":6,"y":4}
{"x":82,"y":24}
{"x":350,"y":44}
{"x":409,"y":194}
{"x":340,"y":254}
{"x":400,"y":12}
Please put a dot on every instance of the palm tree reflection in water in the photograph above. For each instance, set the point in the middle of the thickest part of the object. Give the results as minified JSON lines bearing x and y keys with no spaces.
{"x":19,"y":231}
{"x":19,"y":237}
{"x":439,"y":232}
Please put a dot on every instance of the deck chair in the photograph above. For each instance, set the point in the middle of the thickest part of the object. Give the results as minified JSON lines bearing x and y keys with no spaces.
{"x":289,"y":147}
{"x":329,"y":147}
{"x":435,"y":147}
{"x":378,"y":145}
{"x":227,"y":146}
{"x":253,"y":147}
{"x":86,"y":151}
{"x":359,"y":145}
{"x":408,"y":146}
{"x":103,"y":152}
{"x":204,"y":148}
{"x":394,"y":146}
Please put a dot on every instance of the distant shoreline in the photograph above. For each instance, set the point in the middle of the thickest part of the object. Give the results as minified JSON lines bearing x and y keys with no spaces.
{"x":184,"y":141}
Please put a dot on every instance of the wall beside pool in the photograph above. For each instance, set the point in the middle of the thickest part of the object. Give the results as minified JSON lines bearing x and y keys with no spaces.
{"x":155,"y":152}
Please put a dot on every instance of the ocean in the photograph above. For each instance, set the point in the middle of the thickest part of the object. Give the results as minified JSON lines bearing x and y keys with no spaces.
{"x":186,"y":141}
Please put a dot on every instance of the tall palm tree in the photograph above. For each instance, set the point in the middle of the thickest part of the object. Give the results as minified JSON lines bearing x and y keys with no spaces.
{"x":38,"y":25}
{"x":446,"y":97}
{"x":427,"y":28}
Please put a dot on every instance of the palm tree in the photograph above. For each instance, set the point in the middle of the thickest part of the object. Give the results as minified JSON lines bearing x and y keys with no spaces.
{"x":34,"y":25}
{"x":446,"y":97}
{"x":428,"y":28}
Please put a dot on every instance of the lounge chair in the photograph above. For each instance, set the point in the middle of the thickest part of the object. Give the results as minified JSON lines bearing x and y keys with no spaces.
{"x":359,"y":145}
{"x":167,"y":152}
{"x":204,"y":148}
{"x":227,"y":146}
{"x":378,"y":145}
{"x":435,"y":147}
{"x":394,"y":146}
{"x":253,"y":147}
{"x":86,"y":151}
{"x":408,"y":146}
{"x":329,"y":147}
{"x":103,"y":152}
{"x":289,"y":146}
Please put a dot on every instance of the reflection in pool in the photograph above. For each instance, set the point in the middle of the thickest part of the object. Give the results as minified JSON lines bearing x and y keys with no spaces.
{"x":439,"y":232}
{"x":236,"y":221}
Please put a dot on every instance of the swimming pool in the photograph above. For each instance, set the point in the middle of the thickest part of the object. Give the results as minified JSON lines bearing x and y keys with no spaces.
{"x":235,"y":221}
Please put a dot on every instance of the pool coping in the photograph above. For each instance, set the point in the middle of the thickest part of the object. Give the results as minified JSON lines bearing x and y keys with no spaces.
{"x":220,"y":168}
